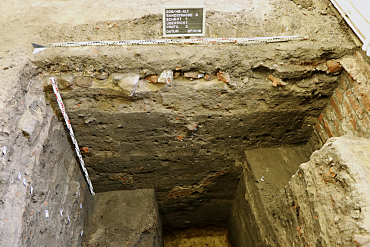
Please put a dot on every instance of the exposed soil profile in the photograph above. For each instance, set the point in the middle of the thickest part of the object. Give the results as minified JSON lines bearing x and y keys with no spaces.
{"x":186,"y":145}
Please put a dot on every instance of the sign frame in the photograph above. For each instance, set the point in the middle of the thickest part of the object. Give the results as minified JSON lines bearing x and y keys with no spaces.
{"x":184,"y":7}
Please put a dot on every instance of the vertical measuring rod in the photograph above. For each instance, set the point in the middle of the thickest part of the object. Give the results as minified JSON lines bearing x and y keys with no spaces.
{"x":71,"y":133}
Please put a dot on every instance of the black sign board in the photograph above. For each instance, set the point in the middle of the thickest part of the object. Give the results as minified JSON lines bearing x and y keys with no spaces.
{"x":184,"y":21}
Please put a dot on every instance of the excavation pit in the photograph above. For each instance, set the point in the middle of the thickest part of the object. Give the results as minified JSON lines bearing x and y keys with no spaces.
{"x":210,"y":154}
{"x":187,"y":138}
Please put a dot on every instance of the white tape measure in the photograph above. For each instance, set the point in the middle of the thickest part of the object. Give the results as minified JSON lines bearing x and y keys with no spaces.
{"x":71,"y":133}
{"x":38,"y":48}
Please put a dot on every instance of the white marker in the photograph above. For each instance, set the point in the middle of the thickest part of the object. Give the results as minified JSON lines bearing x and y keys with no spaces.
{"x":46,"y":213}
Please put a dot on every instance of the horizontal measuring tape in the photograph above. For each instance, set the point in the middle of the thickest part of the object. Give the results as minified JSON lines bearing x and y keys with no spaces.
{"x":38,"y":48}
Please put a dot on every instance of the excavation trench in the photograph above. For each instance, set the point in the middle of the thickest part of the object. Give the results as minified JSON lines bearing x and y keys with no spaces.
{"x":206,"y":159}
{"x":200,"y":157}
{"x":207,"y":150}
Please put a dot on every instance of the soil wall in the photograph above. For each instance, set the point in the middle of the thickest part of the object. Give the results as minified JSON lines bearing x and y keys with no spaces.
{"x":185,"y":139}
{"x":44,"y":197}
{"x":266,"y":171}
{"x":325,"y":202}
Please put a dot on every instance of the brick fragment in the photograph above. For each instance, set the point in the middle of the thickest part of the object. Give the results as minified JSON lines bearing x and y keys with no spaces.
{"x":276,"y":82}
{"x":207,"y":77}
{"x":152,"y":78}
{"x":222,"y":76}
{"x":334,"y":66}
{"x":321,"y":117}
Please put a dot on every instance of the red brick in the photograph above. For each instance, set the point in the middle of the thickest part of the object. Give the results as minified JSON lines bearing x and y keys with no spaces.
{"x":339,"y":95}
{"x":321,"y":117}
{"x":355,"y":104}
{"x":353,"y":121}
{"x":152,"y":78}
{"x":328,"y":129}
{"x":335,"y":106}
{"x":334,"y":66}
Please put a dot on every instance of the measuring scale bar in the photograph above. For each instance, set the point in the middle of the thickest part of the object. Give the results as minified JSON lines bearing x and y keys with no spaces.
{"x":39,"y":48}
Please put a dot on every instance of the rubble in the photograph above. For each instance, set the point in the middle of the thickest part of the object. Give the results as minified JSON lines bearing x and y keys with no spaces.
{"x":152,"y":78}
{"x":276,"y":82}
{"x":222,"y":76}
{"x":84,"y":81}
{"x":334,"y":66}
{"x":166,"y":77}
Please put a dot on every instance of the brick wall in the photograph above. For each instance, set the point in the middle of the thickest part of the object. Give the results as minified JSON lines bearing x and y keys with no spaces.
{"x":348,"y":110}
